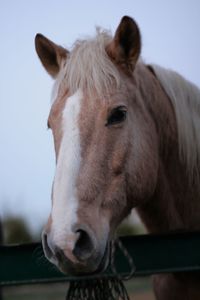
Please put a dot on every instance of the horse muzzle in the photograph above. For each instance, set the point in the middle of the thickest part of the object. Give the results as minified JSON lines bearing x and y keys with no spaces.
{"x":84,"y":256}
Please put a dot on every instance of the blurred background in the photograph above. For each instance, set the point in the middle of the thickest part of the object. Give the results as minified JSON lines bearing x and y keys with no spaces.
{"x":170,"y":35}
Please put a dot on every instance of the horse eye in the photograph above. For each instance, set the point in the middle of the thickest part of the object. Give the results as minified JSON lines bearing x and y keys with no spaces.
{"x":117,"y":115}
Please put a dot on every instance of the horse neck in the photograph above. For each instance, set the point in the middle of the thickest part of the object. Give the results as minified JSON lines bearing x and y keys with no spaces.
{"x":174,"y":204}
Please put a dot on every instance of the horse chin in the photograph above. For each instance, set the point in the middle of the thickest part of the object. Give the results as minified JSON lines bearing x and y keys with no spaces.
{"x":104,"y":261}
{"x":67,"y":267}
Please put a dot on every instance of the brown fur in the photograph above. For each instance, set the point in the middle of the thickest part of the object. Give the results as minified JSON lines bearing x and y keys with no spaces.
{"x":135,"y":163}
{"x":125,"y":48}
{"x":50,"y":54}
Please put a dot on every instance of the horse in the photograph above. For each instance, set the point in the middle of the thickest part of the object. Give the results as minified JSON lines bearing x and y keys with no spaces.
{"x":126,"y":136}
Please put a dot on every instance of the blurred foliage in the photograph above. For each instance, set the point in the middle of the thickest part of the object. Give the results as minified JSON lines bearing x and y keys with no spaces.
{"x":128,"y":228}
{"x":15,"y":231}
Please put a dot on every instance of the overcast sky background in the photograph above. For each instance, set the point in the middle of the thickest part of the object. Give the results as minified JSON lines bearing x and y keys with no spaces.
{"x":171,"y":37}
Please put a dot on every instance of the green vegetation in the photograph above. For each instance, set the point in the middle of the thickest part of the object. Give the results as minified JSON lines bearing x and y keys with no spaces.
{"x":128,"y":228}
{"x":16,"y":231}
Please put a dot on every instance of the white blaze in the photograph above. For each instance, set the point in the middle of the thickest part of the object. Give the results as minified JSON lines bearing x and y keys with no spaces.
{"x":65,"y":203}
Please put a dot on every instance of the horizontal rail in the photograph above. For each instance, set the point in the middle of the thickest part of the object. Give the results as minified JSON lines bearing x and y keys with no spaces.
{"x":22,"y":264}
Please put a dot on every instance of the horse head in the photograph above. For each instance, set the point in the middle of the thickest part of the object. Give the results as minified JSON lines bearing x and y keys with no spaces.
{"x":105,"y":145}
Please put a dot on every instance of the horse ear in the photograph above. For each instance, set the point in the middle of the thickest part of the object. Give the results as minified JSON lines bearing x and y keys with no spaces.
{"x":126,"y":44}
{"x":50,"y":54}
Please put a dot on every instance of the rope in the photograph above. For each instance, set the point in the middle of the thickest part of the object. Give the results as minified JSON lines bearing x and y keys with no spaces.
{"x":97,"y":289}
{"x":105,"y":287}
{"x":126,"y":254}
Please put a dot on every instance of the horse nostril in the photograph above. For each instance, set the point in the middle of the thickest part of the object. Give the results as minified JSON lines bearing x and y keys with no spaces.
{"x":84,"y":245}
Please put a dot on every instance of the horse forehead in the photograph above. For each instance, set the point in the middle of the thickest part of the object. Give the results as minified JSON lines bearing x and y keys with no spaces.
{"x":90,"y":108}
{"x":58,"y":106}
{"x":72,"y":106}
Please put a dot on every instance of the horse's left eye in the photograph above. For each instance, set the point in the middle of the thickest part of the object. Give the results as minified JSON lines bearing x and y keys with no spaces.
{"x":117,"y":115}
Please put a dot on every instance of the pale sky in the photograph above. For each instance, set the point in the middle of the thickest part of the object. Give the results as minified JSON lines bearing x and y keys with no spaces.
{"x":171,"y":38}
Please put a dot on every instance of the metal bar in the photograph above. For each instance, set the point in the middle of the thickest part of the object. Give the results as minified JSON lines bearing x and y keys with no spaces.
{"x":21,"y":264}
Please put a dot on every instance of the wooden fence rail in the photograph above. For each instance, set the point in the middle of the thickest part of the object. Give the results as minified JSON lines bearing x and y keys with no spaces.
{"x":177,"y":252}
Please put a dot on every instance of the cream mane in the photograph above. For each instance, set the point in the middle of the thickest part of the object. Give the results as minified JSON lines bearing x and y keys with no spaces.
{"x":185,"y":98}
{"x":89,"y":68}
